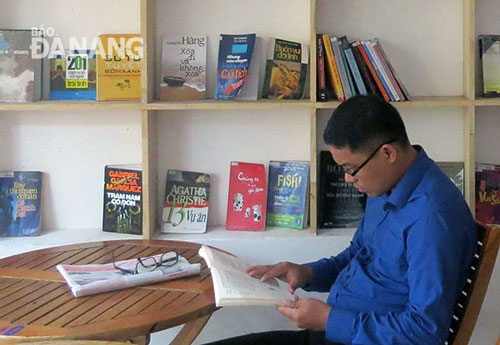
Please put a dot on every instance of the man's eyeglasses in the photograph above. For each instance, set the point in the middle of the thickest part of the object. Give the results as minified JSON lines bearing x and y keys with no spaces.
{"x":355,"y":171}
{"x":149,"y":264}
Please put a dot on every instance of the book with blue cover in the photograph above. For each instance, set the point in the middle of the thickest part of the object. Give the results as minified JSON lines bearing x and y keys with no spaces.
{"x":288,"y":194}
{"x":20,"y":202}
{"x":235,"y":54}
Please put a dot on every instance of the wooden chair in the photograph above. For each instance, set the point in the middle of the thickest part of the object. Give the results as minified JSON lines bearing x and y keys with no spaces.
{"x":471,"y":299}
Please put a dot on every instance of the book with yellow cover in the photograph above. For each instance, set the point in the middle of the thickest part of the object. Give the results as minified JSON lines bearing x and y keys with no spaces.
{"x":119,"y":62}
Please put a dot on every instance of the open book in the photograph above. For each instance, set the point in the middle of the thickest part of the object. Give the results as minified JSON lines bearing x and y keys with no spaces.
{"x":92,"y":279}
{"x":233,"y":286}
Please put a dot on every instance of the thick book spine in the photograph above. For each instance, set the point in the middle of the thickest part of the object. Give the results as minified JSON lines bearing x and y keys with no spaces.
{"x":370,"y":85}
{"x":374,"y":74}
{"x":321,"y":92}
{"x":402,"y":87}
{"x":332,"y":68}
{"x":340,"y":65}
{"x":360,"y":85}
{"x":383,"y":71}
{"x":378,"y":69}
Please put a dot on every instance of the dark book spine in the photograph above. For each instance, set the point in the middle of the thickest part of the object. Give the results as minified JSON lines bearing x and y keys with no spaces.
{"x":373,"y":73}
{"x":365,"y":72}
{"x":321,"y":86}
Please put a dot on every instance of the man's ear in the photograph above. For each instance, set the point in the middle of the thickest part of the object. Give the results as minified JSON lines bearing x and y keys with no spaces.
{"x":390,"y":152}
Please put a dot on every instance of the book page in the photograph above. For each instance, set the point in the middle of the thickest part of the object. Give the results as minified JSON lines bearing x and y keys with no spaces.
{"x":217,"y":258}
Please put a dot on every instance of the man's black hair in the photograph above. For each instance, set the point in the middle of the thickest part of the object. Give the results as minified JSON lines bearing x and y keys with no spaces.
{"x":362,"y":122}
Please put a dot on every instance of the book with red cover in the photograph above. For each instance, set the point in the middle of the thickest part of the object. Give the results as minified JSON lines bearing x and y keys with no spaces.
{"x":246,"y":206}
{"x":373,"y":72}
{"x":363,"y":69}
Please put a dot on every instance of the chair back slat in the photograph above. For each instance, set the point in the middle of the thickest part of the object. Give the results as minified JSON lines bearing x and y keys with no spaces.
{"x":471,"y":298}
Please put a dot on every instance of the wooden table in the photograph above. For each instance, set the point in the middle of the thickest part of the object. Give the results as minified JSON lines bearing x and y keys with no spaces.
{"x":36,"y":303}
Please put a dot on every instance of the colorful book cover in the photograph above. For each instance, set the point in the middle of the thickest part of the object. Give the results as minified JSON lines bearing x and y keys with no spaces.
{"x":20,"y":203}
{"x":353,"y":66}
{"x":286,"y":70}
{"x":235,"y":54}
{"x":488,"y":193}
{"x":340,"y":203}
{"x":455,"y":171}
{"x":246,"y":206}
{"x":288,"y":194}
{"x":320,"y":69}
{"x":20,"y":73}
{"x":333,"y":71}
{"x":187,"y":195}
{"x":339,"y":60}
{"x":73,"y":75}
{"x":183,"y":67}
{"x":119,"y":65}
{"x":122,"y":207}
{"x":489,"y":54}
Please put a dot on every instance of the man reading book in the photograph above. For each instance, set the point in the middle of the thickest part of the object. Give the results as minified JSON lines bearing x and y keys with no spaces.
{"x":398,"y":281}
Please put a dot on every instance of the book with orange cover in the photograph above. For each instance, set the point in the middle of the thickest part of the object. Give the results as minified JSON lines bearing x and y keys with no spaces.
{"x":332,"y":68}
{"x":373,"y":72}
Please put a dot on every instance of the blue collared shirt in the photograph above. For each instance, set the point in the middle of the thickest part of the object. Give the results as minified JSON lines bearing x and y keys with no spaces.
{"x":398,"y":281}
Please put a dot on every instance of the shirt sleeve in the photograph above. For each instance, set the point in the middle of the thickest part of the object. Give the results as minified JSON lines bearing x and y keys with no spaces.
{"x":439,"y":251}
{"x":326,"y":270}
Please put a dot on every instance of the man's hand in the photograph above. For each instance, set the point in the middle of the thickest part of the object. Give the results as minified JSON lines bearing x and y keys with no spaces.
{"x":295,"y":275}
{"x":309,"y":313}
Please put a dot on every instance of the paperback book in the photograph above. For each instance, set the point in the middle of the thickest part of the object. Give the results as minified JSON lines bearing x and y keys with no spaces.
{"x":183,"y":67}
{"x":20,"y":73}
{"x":340,"y":203}
{"x":288,"y":194}
{"x":233,"y":286}
{"x":235,"y":55}
{"x":119,"y":65}
{"x":455,"y":171}
{"x":246,"y":206}
{"x":286,"y":69}
{"x":488,"y":193}
{"x":187,"y":195}
{"x":122,"y":209}
{"x":20,"y":203}
{"x":73,"y":75}
{"x":489,"y":55}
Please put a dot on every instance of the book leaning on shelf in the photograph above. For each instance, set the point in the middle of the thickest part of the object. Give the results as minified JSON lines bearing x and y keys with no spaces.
{"x":488,"y":193}
{"x":92,"y":279}
{"x":185,"y":209}
{"x":20,"y":203}
{"x":233,"y":286}
{"x":288,"y":194}
{"x":489,"y":56}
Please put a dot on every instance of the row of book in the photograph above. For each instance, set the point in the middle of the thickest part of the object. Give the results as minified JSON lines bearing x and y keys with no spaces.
{"x":347,"y":68}
{"x":32,"y":68}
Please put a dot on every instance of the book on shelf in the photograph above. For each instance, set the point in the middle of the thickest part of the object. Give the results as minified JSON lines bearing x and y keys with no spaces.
{"x":233,"y":64}
{"x":288,"y":194}
{"x":119,"y":65}
{"x":332,"y":69}
{"x":122,"y":201}
{"x":72,"y":75}
{"x":20,"y":73}
{"x":246,"y":206}
{"x":339,"y":60}
{"x":384,"y":79}
{"x":286,"y":69}
{"x":369,"y":82}
{"x":20,"y":203}
{"x":361,"y":48}
{"x":455,"y":171}
{"x":251,"y":87}
{"x":353,"y":66}
{"x":183,"y":67}
{"x":320,"y":69}
{"x":489,"y":56}
{"x":340,"y":203}
{"x":488,"y":193}
{"x":233,"y":286}
{"x":91,"y":279}
{"x":185,"y":209}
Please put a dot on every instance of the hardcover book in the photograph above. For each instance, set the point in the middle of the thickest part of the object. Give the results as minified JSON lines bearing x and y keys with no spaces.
{"x":183,"y":67}
{"x":20,"y":73}
{"x":73,"y":75}
{"x":235,"y":54}
{"x":246,"y":206}
{"x":489,"y":55}
{"x":286,"y":70}
{"x":488,"y":193}
{"x":119,"y":64}
{"x":185,"y":209}
{"x":340,"y":203}
{"x":20,"y":203}
{"x":455,"y":171}
{"x":288,"y":194}
{"x":122,"y":209}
